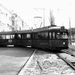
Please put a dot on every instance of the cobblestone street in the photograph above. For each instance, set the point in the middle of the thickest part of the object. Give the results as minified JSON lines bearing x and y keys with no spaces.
{"x":44,"y":63}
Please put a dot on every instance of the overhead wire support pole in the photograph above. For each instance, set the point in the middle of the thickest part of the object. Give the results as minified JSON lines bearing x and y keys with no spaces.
{"x":43,"y":14}
{"x":52,"y":20}
{"x":44,"y":17}
{"x":70,"y":29}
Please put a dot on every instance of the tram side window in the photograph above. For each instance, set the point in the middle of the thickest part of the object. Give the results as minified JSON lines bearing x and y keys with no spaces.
{"x":65,"y":36}
{"x":43,"y":35}
{"x":46,"y":35}
{"x":50,"y":35}
{"x":12,"y":36}
{"x":36,"y":35}
{"x":0,"y":36}
{"x":53,"y":35}
{"x":8,"y":36}
{"x":58,"y":36}
{"x":62,"y":35}
{"x":19,"y":36}
{"x":24,"y":36}
{"x":3,"y":37}
{"x":39,"y":35}
{"x":28,"y":36}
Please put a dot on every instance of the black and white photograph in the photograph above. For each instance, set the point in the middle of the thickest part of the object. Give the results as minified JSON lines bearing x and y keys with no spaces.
{"x":37,"y":37}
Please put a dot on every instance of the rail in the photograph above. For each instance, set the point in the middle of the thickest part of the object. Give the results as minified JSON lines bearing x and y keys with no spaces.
{"x":20,"y":71}
{"x":68,"y":51}
{"x":71,"y":64}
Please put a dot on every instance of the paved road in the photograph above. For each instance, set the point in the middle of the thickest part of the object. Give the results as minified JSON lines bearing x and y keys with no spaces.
{"x":12,"y":59}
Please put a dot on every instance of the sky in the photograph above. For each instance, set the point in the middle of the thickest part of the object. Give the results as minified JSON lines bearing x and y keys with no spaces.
{"x":63,"y":10}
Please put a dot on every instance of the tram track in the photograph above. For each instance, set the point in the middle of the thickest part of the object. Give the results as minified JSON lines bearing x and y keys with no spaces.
{"x":26,"y":63}
{"x":45,"y":62}
{"x":69,"y":51}
{"x":71,"y":64}
{"x":71,"y":54}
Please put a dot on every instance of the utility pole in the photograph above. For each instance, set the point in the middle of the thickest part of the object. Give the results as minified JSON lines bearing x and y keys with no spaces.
{"x":52,"y":21}
{"x":70,"y":29}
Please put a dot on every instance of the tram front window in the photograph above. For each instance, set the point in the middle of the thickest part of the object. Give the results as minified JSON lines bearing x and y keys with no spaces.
{"x":62,"y":35}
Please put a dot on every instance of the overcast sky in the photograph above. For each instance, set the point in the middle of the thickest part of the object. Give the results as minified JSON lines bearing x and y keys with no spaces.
{"x":62,"y":10}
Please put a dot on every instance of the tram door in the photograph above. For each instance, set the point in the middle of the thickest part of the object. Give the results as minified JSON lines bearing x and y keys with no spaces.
{"x":18,"y":39}
{"x":52,"y":40}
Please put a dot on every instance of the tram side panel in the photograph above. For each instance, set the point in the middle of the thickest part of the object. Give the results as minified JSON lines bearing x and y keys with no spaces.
{"x":1,"y":40}
{"x":7,"y":39}
{"x":60,"y":44}
{"x":59,"y":40}
{"x":18,"y":39}
{"x":62,"y":40}
{"x":53,"y":40}
{"x":40,"y":40}
{"x":44,"y":40}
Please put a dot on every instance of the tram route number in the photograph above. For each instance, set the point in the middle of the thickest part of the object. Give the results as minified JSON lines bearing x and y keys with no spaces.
{"x":9,"y":41}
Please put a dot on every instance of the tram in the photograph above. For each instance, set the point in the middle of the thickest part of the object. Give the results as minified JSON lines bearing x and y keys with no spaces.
{"x":7,"y":38}
{"x":49,"y":37}
{"x":26,"y":38}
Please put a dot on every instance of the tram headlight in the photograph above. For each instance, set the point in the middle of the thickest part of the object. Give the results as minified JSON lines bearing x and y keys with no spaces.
{"x":63,"y":43}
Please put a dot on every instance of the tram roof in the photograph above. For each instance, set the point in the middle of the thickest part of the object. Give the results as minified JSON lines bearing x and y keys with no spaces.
{"x":24,"y":31}
{"x":47,"y":28}
{"x":14,"y":32}
{"x":7,"y":32}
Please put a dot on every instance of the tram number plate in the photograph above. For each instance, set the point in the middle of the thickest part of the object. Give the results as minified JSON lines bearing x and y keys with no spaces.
{"x":9,"y":41}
